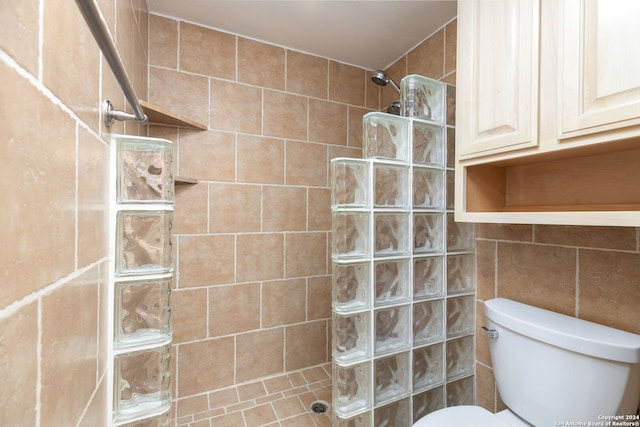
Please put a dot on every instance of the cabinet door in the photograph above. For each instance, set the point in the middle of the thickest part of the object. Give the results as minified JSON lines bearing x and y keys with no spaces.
{"x":600,"y":70}
{"x":497,"y":77}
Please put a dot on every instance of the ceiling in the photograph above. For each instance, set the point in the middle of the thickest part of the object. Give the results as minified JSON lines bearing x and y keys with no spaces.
{"x":367,"y":34}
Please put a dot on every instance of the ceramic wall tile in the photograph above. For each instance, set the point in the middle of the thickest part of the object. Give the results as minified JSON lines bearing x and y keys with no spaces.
{"x":163,"y":42}
{"x":44,"y":247}
{"x":234,"y":208}
{"x":307,"y":75}
{"x":347,"y":84}
{"x":19,"y":34}
{"x":218,"y":60}
{"x":260,"y":160}
{"x":261,"y":64}
{"x":260,"y":354}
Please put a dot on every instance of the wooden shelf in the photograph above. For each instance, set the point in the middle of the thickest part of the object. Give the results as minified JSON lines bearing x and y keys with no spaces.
{"x":574,"y":208}
{"x":184,"y":180}
{"x":159,"y":115}
{"x":596,"y":184}
{"x":547,"y":216}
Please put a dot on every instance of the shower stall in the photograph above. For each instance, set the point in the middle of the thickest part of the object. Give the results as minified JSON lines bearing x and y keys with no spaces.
{"x":403,"y":269}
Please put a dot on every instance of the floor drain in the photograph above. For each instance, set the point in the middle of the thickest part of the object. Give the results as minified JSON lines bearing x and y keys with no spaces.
{"x":319,"y":407}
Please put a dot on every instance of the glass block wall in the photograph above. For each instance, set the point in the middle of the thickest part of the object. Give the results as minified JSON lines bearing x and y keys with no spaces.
{"x":403,"y":269}
{"x":140,"y":288}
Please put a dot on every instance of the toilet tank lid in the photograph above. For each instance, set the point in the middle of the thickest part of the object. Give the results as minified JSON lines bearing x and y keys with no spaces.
{"x":564,"y":331}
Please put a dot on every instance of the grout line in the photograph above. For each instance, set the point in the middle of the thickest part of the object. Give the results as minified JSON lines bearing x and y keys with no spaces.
{"x":286,"y":68}
{"x":262,"y":215}
{"x":237,"y":57}
{"x":40,"y":75}
{"x":179,"y":37}
{"x":76,"y":198}
{"x":39,"y":366}
{"x":235,"y":158}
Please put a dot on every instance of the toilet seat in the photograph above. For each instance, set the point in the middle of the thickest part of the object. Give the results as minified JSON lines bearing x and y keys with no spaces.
{"x":456,"y":416}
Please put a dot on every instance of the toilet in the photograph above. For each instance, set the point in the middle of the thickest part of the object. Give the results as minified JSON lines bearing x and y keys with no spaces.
{"x":552,"y":370}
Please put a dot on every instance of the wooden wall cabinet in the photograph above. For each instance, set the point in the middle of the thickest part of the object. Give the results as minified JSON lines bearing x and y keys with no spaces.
{"x":548,"y":112}
{"x":497,"y":109}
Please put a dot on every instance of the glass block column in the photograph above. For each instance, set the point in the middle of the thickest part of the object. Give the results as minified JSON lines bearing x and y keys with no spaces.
{"x":140,"y":283}
{"x":403,"y":269}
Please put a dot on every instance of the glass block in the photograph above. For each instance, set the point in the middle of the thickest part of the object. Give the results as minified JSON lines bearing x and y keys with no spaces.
{"x":143,"y":242}
{"x":460,"y":357}
{"x":349,"y":183}
{"x":393,"y":414}
{"x":391,"y":186}
{"x":460,"y":313}
{"x":427,"y":402}
{"x":350,"y":286}
{"x":392,"y":329}
{"x":428,"y":277}
{"x":361,"y":420}
{"x":142,"y":383}
{"x":144,"y":170}
{"x":428,"y":322}
{"x":159,"y":421}
{"x":460,"y":235}
{"x":428,"y":233}
{"x":351,"y":338}
{"x":422,"y":98}
{"x":351,"y":388}
{"x":460,"y":273}
{"x":428,"y":366}
{"x":451,"y":188}
{"x":391,"y":377}
{"x":451,"y":105}
{"x":451,"y":147}
{"x":460,"y":392}
{"x":428,"y":188}
{"x":143,"y":312}
{"x":428,"y":143}
{"x":385,"y":136}
{"x":392,"y":281}
{"x":350,"y":235}
{"x":391,"y":234}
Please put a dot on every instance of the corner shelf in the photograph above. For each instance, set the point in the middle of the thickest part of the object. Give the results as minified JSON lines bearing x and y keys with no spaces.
{"x":159,"y":115}
{"x":184,"y":180}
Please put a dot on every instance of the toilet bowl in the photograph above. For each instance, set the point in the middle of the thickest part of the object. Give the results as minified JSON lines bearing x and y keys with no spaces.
{"x":470,"y":416}
{"x":551,"y":368}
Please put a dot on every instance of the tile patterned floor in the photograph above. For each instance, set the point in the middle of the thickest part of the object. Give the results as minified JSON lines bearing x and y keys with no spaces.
{"x":279,"y":401}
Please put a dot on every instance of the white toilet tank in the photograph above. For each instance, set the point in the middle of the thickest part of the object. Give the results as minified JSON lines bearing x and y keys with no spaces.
{"x":551,"y":368}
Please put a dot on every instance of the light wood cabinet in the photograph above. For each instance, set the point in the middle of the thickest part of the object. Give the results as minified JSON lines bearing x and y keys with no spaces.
{"x":497,"y":73}
{"x":600,"y":66}
{"x":548,"y":112}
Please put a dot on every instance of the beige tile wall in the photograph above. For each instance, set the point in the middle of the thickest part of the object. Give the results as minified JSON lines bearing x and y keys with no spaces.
{"x":54,"y":221}
{"x":586,"y":272}
{"x":253,"y":289}
{"x":252,"y":297}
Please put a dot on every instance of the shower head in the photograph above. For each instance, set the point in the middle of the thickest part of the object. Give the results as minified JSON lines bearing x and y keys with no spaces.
{"x":381,"y":78}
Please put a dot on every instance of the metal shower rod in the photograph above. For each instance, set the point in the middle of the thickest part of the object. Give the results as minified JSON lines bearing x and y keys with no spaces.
{"x":100,"y":30}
